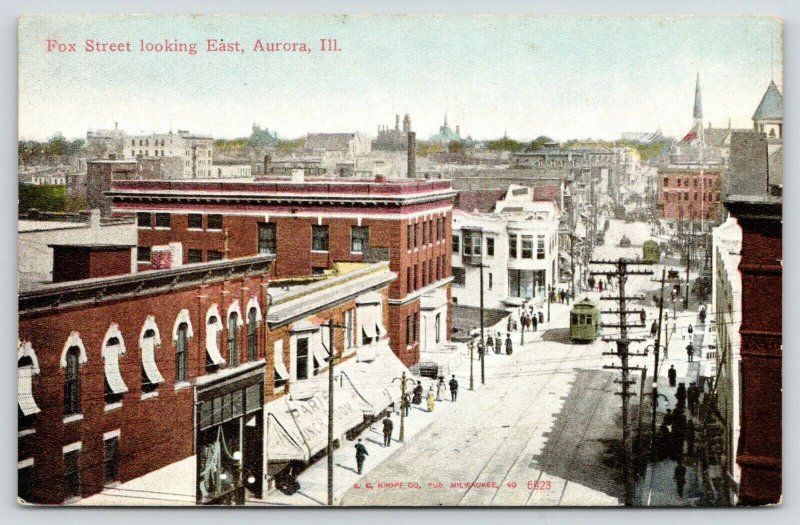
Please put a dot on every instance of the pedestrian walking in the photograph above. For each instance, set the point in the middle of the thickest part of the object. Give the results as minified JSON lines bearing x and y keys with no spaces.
{"x":702,"y":315}
{"x":590,"y":282}
{"x":388,"y":426}
{"x":600,"y":286}
{"x":669,"y":419}
{"x":440,"y":388}
{"x":654,"y":329}
{"x":509,"y":345}
{"x":535,"y":323}
{"x":693,"y":397}
{"x":481,"y":349}
{"x":690,"y":352}
{"x":541,"y":317}
{"x":453,"y":389}
{"x":361,"y":455}
{"x":672,"y":374}
{"x":680,"y":395}
{"x":680,"y":478}
{"x":417,"y":393}
{"x":489,"y":343}
{"x":690,"y":330}
{"x":642,"y":317}
{"x":431,"y":399}
{"x":498,"y":343}
{"x":405,"y":404}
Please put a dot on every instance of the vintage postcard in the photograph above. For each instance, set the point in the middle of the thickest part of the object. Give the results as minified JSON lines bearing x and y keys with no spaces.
{"x":400,"y":260}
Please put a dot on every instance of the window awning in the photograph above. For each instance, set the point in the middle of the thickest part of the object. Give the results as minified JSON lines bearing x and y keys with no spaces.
{"x":111,"y":365}
{"x":212,"y":346}
{"x":148,"y":346}
{"x":366,"y":320}
{"x":320,"y":344}
{"x":183,"y":317}
{"x":253,"y":303}
{"x":282,"y":438}
{"x":280,"y":370}
{"x":375,"y":380}
{"x":212,"y":329}
{"x":27,"y":404}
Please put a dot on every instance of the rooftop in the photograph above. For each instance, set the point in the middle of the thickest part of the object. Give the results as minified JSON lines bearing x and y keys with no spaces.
{"x":771,"y":105}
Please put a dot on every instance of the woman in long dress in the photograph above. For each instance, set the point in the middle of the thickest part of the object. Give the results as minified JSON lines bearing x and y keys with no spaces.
{"x":441,"y":389}
{"x":431,"y":399}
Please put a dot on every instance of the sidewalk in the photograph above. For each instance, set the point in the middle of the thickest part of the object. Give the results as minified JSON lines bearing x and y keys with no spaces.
{"x":313,"y":481}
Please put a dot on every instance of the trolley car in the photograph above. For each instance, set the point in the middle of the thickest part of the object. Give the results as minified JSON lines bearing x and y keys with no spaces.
{"x":584,"y":325}
{"x":651,"y":252}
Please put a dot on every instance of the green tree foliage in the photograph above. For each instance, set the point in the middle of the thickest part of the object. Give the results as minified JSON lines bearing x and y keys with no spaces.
{"x":505,"y":144}
{"x":291,"y":145}
{"x":41,"y":197}
{"x":455,"y":147}
{"x":55,"y":151}
{"x":539,"y":142}
{"x":424,"y":150}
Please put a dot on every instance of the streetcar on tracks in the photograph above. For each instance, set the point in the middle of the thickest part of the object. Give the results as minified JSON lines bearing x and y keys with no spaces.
{"x":584,"y":322}
{"x":651,"y":253}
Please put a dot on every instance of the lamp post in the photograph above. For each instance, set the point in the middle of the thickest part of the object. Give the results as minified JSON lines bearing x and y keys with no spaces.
{"x":403,"y":380}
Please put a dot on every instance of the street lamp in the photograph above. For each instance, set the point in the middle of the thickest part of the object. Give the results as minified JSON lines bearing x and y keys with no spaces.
{"x":403,"y":380}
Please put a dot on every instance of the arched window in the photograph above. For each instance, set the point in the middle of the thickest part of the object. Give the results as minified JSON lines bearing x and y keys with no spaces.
{"x":72,"y":383}
{"x":233,"y":339}
{"x":213,"y":328}
{"x":149,"y":341}
{"x":252,"y":334}
{"x":181,"y":359}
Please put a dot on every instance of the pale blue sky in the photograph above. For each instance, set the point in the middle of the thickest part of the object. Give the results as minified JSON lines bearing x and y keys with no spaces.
{"x":566,"y":77}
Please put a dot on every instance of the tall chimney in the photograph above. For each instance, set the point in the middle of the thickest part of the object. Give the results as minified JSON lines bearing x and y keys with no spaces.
{"x":397,"y":122}
{"x":458,"y":130}
{"x":411,"y":157}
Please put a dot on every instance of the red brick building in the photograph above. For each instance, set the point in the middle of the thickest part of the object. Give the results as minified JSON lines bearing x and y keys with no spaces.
{"x":124,"y":375}
{"x":689,"y":194}
{"x":754,"y":196}
{"x":309,"y":226}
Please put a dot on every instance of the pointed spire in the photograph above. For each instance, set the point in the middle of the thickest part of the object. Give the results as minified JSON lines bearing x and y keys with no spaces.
{"x":698,"y":103}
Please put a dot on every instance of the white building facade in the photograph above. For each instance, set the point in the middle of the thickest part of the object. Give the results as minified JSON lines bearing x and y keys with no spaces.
{"x":517,"y":245}
{"x":727,"y":312}
{"x":195,"y":151}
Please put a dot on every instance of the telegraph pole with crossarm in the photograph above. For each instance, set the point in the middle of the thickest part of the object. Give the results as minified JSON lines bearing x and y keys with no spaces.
{"x":622,"y":272}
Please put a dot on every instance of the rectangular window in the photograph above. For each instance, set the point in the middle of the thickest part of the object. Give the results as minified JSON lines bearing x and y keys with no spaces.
{"x":252,"y":334}
{"x":425,"y":233}
{"x":476,"y":244}
{"x":233,"y":340}
{"x":319,"y":238}
{"x":424,"y":273}
{"x":110,"y":460}
{"x":214,"y":222}
{"x":416,"y":276}
{"x":666,"y":182}
{"x":490,"y":246}
{"x":512,"y":246}
{"x":301,"y":364}
{"x":195,"y":221}
{"x":181,"y":356}
{"x":456,"y":245}
{"x":490,"y":281}
{"x":194,"y":256}
{"x":416,"y":235}
{"x":459,"y":276}
{"x":359,"y":238}
{"x":540,"y":247}
{"x":416,"y":327}
{"x":430,"y":271}
{"x":266,"y":238}
{"x":72,"y":475}
{"x":143,"y":254}
{"x":214,"y":255}
{"x":143,"y":220}
{"x":527,"y":247}
{"x":408,"y":330}
{"x":349,"y":315}
{"x":162,"y":220}
{"x":443,"y":267}
{"x":408,"y":237}
{"x":409,"y":282}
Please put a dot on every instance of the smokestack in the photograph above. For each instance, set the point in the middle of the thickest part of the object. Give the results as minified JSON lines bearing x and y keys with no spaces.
{"x":458,"y":130}
{"x":116,"y":125}
{"x":267,"y":164}
{"x":412,"y":155}
{"x":397,"y":122}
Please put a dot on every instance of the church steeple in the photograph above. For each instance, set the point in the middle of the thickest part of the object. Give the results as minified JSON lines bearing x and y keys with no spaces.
{"x":698,"y":102}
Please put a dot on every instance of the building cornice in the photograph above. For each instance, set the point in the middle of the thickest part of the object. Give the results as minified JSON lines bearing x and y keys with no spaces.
{"x":90,"y":292}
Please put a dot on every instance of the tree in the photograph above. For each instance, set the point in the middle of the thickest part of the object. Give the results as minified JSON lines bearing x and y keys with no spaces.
{"x":455,"y":147}
{"x":539,"y":142}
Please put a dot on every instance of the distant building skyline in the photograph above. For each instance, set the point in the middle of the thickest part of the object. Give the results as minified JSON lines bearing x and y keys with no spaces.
{"x":565,"y":77}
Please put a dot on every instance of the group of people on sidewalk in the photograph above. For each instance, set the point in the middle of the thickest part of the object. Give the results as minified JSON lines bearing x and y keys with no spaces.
{"x":414,"y":398}
{"x":495,"y":344}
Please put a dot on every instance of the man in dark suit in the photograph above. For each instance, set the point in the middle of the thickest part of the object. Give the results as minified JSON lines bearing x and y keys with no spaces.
{"x":361,"y":455}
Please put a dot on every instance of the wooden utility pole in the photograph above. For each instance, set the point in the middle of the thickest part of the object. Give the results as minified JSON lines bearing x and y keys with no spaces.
{"x":330,"y":411}
{"x":623,"y":353}
{"x":656,"y":345}
{"x":483,"y":341}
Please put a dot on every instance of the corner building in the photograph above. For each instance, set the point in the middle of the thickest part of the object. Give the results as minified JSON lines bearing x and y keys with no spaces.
{"x":309,"y":226}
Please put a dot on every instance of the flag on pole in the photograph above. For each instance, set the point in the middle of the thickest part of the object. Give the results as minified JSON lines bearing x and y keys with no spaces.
{"x":692,"y":135}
